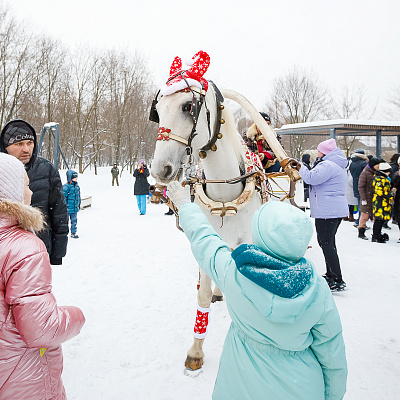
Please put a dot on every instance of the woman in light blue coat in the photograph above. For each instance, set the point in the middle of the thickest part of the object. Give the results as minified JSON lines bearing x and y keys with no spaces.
{"x":285,"y":340}
{"x":328,"y":204}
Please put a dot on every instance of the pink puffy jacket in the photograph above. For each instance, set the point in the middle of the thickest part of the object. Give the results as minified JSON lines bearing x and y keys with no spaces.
{"x":32,"y":326}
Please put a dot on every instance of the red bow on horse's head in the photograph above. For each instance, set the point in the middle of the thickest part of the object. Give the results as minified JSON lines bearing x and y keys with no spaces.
{"x":179,"y":78}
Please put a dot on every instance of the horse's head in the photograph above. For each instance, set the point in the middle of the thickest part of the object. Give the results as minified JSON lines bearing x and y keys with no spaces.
{"x":183,"y":130}
{"x":186,"y":113}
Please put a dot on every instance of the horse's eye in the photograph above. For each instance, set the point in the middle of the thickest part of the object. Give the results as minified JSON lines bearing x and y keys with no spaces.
{"x":187,"y":107}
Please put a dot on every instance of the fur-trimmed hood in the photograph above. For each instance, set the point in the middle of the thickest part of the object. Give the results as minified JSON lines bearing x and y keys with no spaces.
{"x":252,"y":132}
{"x":359,"y":155}
{"x":28,"y":218}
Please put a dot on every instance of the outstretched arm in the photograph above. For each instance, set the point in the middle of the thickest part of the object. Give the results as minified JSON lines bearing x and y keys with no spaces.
{"x":212,"y":254}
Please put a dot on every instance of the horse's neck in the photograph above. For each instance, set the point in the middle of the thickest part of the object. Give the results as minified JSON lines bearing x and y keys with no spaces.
{"x":222,"y":164}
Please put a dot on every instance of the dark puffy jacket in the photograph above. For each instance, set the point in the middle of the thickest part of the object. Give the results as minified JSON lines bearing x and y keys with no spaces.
{"x":72,"y":194}
{"x":358,"y":163}
{"x":47,"y":195}
{"x":396,"y":205}
{"x":141,"y":185}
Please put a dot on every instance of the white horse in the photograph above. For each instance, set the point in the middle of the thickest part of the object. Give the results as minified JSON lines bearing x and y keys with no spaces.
{"x":191,"y":124}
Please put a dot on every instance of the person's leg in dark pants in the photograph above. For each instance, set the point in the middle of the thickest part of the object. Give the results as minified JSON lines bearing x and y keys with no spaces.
{"x":377,"y":231}
{"x":326,"y":231}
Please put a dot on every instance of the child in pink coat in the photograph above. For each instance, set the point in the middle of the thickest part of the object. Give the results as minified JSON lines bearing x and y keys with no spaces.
{"x":32,"y":326}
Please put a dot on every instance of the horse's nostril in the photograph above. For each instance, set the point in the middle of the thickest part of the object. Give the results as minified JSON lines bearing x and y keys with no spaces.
{"x":167,"y":171}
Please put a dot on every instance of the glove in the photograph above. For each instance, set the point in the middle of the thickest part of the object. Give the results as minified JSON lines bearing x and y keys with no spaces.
{"x":55,"y":261}
{"x":363,"y":202}
{"x":178,"y":194}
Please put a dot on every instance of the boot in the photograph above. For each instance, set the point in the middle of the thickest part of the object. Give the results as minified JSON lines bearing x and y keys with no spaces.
{"x":351,"y":218}
{"x":378,"y":239}
{"x":361,"y":233}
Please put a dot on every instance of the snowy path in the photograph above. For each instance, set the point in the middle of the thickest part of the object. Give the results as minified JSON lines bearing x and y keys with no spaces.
{"x":135,"y":279}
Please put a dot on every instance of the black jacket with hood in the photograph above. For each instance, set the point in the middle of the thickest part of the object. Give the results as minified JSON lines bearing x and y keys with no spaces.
{"x":47,"y":195}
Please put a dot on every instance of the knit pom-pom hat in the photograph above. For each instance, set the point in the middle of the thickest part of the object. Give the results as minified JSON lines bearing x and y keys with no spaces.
{"x":12,"y":177}
{"x":282,"y":231}
{"x":327,"y":146}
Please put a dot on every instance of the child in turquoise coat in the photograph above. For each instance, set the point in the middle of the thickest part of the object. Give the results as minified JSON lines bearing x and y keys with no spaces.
{"x":72,"y":194}
{"x":285,"y":340}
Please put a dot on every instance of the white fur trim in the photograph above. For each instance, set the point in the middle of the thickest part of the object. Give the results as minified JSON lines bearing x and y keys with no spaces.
{"x":200,"y":335}
{"x":204,"y":310}
{"x":189,"y":62}
{"x":176,"y":86}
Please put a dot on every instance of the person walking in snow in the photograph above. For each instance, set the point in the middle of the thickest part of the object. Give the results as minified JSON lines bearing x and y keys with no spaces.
{"x":141,"y":188}
{"x":285,"y":340}
{"x":328,"y":204}
{"x":72,"y":194}
{"x":381,"y":202}
{"x":305,"y":159}
{"x":115,"y":174}
{"x":358,"y":161}
{"x":18,"y":138}
{"x":32,"y":326}
{"x":352,"y":200}
{"x":366,"y":191}
{"x":396,"y":203}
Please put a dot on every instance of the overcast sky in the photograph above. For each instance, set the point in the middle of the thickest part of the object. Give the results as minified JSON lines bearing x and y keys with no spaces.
{"x":250,"y":42}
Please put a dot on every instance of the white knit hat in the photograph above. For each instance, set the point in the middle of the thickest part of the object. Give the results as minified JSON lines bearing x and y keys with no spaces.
{"x":12,"y":176}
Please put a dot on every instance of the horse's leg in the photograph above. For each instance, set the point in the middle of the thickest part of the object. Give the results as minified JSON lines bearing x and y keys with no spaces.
{"x":217,"y":295}
{"x":195,"y":355}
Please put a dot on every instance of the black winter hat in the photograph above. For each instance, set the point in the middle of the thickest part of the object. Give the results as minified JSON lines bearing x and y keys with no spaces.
{"x":17,"y":131}
{"x":374,"y":161}
{"x":265,"y":116}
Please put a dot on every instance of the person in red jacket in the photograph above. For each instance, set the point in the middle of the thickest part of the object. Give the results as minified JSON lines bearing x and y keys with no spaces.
{"x":32,"y":326}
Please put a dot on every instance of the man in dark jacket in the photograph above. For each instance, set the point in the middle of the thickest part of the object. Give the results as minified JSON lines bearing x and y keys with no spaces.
{"x":18,"y":138}
{"x":115,"y":173}
{"x":358,"y":162}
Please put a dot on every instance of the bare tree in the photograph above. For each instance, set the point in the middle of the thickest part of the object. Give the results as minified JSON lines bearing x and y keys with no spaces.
{"x":297,"y":96}
{"x":18,"y":66}
{"x":350,"y":104}
{"x":90,"y":80}
{"x":394,"y":104}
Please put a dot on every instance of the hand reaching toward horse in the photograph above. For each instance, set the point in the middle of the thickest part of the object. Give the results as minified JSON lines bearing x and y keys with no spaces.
{"x":178,"y":194}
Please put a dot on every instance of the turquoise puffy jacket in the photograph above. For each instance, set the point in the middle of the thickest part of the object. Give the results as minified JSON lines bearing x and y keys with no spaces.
{"x":72,"y":194}
{"x":277,"y":348}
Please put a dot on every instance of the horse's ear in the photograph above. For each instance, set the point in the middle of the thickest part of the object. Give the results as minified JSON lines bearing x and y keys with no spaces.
{"x":176,"y":66}
{"x":201,"y":62}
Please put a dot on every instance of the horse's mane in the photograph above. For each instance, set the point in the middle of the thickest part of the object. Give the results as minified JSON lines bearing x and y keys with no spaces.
{"x":229,"y":129}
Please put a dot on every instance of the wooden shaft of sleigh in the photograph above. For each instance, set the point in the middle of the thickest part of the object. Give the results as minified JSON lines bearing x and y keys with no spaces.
{"x":266,"y":130}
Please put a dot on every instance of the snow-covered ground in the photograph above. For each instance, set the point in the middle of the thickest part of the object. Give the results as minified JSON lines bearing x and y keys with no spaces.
{"x":135,"y":279}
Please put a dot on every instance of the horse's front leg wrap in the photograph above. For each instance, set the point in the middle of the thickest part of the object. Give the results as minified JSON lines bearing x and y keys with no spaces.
{"x":201,"y":325}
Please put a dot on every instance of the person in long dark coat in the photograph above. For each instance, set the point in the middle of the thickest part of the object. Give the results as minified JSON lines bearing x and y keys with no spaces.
{"x":141,"y":188}
{"x":305,"y":159}
{"x":358,"y":162}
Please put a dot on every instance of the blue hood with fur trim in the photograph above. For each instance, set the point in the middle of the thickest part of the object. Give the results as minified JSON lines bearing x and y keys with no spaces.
{"x":278,"y":277}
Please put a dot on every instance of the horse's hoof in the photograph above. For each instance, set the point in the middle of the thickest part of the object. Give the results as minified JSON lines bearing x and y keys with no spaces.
{"x":193,"y":363}
{"x":216,"y":298}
